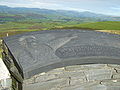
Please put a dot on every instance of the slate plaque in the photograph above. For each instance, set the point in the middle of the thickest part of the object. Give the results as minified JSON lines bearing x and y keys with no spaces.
{"x":87,"y":50}
{"x":41,"y":51}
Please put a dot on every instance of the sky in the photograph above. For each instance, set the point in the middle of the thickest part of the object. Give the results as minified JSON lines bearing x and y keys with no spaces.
{"x":108,"y":7}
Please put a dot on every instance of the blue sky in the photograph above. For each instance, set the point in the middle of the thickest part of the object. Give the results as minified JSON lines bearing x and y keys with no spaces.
{"x":109,"y":7}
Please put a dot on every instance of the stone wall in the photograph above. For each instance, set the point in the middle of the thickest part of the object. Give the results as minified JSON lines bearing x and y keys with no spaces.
{"x":77,"y":77}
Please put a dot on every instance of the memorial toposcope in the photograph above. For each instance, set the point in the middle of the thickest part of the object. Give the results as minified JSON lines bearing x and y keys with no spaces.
{"x":40,"y":51}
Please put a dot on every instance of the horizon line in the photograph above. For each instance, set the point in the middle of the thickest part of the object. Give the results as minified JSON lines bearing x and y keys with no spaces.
{"x":61,"y":10}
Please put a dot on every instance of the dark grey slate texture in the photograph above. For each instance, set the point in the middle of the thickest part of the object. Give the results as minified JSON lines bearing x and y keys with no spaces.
{"x":41,"y":51}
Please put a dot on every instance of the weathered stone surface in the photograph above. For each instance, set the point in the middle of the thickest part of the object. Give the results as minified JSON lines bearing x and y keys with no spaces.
{"x":56,"y":71}
{"x":114,"y":66}
{"x":42,"y":51}
{"x":49,"y":85}
{"x":70,"y":74}
{"x":94,"y":66}
{"x":45,"y":78}
{"x":116,"y":76}
{"x":85,"y":67}
{"x":95,"y":85}
{"x":111,"y":82}
{"x":80,"y":77}
{"x":84,"y":86}
{"x":77,"y":80}
{"x":98,"y":74}
{"x":29,"y":81}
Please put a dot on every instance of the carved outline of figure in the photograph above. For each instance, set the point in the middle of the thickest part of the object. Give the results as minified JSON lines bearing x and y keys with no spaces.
{"x":28,"y":42}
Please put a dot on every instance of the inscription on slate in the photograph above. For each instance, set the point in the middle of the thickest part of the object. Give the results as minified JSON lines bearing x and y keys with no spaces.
{"x":87,"y":50}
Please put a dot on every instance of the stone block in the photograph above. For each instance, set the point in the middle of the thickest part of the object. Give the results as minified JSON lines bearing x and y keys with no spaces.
{"x":45,"y":77}
{"x":98,"y":74}
{"x":49,"y":85}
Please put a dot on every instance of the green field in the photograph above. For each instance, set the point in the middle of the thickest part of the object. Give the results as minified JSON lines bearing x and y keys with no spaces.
{"x":106,"y":25}
{"x":12,"y":28}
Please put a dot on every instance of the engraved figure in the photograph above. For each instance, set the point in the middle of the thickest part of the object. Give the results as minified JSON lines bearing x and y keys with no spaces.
{"x":29,"y":51}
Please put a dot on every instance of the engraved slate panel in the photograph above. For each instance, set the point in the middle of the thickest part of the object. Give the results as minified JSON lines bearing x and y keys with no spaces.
{"x":41,"y":51}
{"x":87,"y":50}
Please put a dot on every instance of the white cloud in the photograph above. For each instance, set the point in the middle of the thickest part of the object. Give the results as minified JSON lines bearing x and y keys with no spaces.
{"x":42,"y":5}
{"x":115,"y":8}
{"x":30,"y":5}
{"x":74,"y":9}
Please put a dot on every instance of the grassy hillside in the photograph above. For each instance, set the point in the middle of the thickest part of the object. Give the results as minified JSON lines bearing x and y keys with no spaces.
{"x":20,"y":27}
{"x":31,"y":25}
{"x":106,"y":25}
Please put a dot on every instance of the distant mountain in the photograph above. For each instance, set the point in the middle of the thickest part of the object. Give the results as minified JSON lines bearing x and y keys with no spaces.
{"x":9,"y":10}
{"x":11,"y":14}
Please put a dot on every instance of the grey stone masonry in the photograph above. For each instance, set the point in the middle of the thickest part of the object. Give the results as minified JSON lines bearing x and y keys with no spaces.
{"x":77,"y":77}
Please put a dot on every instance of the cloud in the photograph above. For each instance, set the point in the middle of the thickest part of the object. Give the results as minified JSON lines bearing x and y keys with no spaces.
{"x":115,"y":8}
{"x":74,"y":9}
{"x":33,"y":5}
{"x":42,"y":5}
